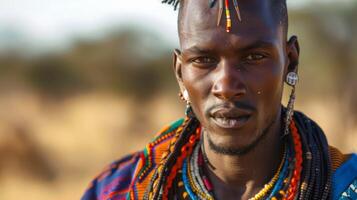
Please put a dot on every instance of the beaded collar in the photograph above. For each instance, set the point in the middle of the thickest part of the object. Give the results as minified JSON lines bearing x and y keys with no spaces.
{"x":305,"y":174}
{"x":193,"y":183}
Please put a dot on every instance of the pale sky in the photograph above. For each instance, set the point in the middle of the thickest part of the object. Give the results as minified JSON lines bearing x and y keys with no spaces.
{"x":55,"y":22}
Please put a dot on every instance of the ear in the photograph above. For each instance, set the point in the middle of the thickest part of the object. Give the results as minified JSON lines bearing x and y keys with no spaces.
{"x":177,"y":65}
{"x":293,"y":52}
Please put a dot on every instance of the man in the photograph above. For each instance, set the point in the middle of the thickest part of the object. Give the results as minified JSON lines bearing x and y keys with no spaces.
{"x":237,"y":141}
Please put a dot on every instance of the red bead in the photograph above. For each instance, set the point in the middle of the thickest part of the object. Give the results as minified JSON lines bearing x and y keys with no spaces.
{"x":192,"y":139}
{"x":207,"y":184}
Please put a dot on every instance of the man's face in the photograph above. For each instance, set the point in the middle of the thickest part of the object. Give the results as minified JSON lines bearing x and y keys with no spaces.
{"x":234,"y":80}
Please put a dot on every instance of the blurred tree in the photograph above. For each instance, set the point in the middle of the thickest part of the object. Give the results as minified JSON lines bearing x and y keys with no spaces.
{"x":131,"y":62}
{"x":54,"y":77}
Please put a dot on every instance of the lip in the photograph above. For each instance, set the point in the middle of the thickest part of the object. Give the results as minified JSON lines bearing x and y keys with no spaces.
{"x":230,"y":118}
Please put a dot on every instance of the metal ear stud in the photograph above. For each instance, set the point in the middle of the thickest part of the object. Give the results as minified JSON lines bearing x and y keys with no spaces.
{"x":292,"y":78}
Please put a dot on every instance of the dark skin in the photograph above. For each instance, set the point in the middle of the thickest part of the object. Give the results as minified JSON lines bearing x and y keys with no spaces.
{"x":236,"y":76}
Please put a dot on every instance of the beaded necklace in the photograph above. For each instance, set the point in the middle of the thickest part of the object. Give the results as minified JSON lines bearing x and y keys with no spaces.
{"x":282,"y":175}
{"x":300,"y":177}
{"x":283,"y":185}
{"x":196,"y":182}
{"x":267,"y":187}
{"x":199,"y":181}
{"x":185,"y":151}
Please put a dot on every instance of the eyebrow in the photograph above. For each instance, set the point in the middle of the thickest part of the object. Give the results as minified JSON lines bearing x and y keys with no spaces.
{"x":197,"y":50}
{"x":254,"y":45}
{"x":257,"y":44}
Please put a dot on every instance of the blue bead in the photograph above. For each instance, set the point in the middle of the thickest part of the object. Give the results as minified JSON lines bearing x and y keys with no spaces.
{"x":186,"y":182}
{"x":282,"y":175}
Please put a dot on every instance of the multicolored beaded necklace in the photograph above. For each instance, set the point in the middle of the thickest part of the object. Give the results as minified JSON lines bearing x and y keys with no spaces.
{"x":188,"y":173}
{"x":305,"y":174}
{"x":281,"y":186}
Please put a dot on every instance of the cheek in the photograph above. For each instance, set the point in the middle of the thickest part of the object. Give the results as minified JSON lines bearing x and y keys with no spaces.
{"x":198,"y":85}
{"x":265,"y":89}
{"x":267,"y":84}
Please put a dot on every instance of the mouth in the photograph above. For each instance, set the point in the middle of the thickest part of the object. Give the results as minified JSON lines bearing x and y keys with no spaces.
{"x":230,"y":118}
{"x":231,"y":123}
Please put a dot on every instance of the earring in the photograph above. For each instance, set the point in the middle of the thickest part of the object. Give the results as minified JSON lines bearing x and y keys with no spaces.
{"x":184,"y":97}
{"x":181,"y":96}
{"x":291,"y":79}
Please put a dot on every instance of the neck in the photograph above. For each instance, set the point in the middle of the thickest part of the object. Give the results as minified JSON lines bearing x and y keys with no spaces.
{"x":246,"y":174}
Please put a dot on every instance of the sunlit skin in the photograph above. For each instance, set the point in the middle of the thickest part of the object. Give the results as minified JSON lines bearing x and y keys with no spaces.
{"x":237,"y":75}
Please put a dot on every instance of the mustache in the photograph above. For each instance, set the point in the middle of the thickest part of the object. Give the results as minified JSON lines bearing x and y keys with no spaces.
{"x":231,"y":105}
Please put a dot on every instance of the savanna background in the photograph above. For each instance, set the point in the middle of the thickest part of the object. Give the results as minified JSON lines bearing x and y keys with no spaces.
{"x":85,"y":82}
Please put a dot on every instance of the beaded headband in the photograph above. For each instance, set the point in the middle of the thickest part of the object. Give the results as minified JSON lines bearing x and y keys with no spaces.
{"x":227,"y":11}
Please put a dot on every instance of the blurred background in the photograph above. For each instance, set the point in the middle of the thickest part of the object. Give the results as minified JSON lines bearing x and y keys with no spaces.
{"x":85,"y":82}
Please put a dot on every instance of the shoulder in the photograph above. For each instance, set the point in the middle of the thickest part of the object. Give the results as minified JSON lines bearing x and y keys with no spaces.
{"x":344,"y":178}
{"x":115,"y":178}
{"x":133,"y":170}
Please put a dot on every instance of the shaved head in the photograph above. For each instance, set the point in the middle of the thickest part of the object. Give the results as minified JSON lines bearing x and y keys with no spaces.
{"x":276,"y":9}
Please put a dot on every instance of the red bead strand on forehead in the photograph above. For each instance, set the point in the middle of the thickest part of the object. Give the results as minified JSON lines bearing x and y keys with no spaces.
{"x":228,"y":17}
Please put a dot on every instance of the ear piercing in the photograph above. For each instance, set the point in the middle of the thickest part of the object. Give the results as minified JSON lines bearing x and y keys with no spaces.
{"x":292,"y":78}
{"x":185,"y":96}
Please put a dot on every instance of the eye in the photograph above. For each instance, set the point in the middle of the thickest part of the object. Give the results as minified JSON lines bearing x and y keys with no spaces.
{"x":204,"y":60}
{"x":254,"y":57}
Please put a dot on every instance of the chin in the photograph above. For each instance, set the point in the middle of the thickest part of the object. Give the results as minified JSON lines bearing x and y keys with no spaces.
{"x":236,"y":141}
{"x":239,"y":137}
{"x":231,"y":145}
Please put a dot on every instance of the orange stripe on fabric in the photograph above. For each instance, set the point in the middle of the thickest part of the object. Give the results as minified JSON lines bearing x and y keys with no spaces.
{"x":337,"y":157}
{"x":159,"y":150}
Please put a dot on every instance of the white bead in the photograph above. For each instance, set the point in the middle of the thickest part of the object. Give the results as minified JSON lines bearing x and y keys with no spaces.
{"x":292,"y":78}
{"x":185,"y":95}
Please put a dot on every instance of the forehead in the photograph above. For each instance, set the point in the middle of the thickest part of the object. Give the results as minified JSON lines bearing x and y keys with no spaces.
{"x":198,"y":24}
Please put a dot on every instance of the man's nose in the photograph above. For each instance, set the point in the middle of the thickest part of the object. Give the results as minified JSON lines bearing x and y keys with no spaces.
{"x":228,"y":83}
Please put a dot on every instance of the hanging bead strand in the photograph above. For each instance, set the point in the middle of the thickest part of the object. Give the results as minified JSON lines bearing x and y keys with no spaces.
{"x":295,"y":180}
{"x":186,"y":150}
{"x":228,"y":17}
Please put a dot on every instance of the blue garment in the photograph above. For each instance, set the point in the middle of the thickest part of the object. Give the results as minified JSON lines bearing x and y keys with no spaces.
{"x":344,"y":180}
